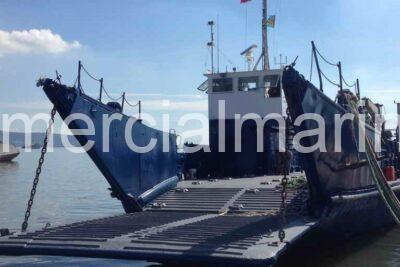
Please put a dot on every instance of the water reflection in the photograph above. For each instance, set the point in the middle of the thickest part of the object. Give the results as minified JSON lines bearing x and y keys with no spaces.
{"x":6,"y":167}
{"x":70,"y":189}
{"x":379,"y":248}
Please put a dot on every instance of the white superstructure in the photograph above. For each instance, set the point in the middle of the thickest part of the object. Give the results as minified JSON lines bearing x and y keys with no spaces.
{"x":250,"y":92}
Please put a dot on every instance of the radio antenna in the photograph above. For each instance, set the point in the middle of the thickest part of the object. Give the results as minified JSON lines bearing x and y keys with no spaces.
{"x":211,"y":44}
{"x":265,"y":35}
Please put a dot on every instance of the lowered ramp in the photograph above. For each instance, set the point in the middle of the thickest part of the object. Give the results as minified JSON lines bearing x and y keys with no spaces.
{"x":184,"y":225}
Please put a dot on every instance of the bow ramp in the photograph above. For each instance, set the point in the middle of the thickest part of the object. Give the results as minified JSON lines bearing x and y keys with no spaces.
{"x":217,"y":221}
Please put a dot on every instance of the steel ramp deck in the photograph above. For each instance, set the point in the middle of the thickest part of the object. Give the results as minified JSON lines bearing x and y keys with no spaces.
{"x":229,"y":228}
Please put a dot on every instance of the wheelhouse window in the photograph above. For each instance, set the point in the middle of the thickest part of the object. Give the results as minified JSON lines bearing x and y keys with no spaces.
{"x":248,"y":84}
{"x":272,"y":86}
{"x":222,"y":85}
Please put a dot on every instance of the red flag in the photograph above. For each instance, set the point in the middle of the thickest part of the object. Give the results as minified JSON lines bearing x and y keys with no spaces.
{"x":244,"y":1}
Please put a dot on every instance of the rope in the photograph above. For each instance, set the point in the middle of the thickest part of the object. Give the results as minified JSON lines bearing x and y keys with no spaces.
{"x":208,"y":53}
{"x":76,"y":81}
{"x":390,"y":199}
{"x":227,"y":59}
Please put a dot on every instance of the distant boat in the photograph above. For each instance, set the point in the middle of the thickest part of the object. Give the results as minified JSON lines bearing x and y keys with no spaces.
{"x":34,"y":146}
{"x":8,"y":152}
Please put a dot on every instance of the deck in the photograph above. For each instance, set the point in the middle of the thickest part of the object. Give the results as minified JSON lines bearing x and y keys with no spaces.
{"x":228,"y":221}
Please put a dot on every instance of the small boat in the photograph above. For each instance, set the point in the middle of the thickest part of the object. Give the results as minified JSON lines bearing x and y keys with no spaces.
{"x":34,"y":146}
{"x":8,"y":152}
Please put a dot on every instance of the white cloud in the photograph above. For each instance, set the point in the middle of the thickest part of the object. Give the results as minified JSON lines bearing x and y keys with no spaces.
{"x":34,"y":41}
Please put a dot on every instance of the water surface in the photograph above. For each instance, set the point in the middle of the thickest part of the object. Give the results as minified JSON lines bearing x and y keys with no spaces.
{"x":72,"y":189}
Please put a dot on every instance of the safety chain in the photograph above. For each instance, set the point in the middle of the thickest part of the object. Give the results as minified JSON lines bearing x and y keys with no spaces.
{"x":38,"y":170}
{"x":284,"y":183}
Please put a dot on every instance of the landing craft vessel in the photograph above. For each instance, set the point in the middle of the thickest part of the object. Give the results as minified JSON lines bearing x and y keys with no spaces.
{"x":233,"y":208}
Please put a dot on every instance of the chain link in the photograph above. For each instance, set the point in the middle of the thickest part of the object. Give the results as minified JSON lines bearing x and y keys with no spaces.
{"x":286,"y":159}
{"x":38,"y":170}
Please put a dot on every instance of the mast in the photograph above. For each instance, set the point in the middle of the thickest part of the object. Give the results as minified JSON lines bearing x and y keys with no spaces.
{"x":398,"y":122}
{"x":265,"y":37}
{"x":211,"y":44}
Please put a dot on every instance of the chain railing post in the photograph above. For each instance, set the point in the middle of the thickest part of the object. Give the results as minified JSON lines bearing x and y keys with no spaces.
{"x":340,"y":76}
{"x":140,"y":110}
{"x":314,"y":51}
{"x":123,"y":102}
{"x":101,"y":89}
{"x":79,"y":75}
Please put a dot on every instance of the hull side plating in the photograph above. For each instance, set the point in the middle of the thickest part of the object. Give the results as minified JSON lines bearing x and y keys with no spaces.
{"x":129,"y":173}
{"x":327,"y":171}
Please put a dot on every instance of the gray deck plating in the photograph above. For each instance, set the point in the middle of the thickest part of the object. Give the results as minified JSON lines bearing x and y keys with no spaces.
{"x":195,"y":223}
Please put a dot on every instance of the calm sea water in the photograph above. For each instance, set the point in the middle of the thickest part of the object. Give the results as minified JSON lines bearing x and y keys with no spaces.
{"x":72,"y":189}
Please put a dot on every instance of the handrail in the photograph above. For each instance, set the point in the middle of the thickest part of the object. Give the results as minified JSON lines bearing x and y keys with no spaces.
{"x":316,"y":54}
{"x":103,"y":89}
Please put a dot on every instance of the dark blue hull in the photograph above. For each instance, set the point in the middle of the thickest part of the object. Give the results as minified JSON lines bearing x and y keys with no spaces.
{"x":328,"y":173}
{"x":343,"y":197}
{"x":356,"y":212}
{"x":135,"y":178}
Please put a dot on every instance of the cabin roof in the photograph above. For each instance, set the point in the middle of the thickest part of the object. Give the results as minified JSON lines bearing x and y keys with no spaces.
{"x":244,"y":73}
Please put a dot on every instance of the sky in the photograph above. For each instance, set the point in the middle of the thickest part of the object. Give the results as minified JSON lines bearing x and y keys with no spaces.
{"x":156,"y":49}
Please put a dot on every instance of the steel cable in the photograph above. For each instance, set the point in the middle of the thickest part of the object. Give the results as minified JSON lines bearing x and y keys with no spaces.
{"x":353,"y":85}
{"x":108,"y":95}
{"x":99,"y":80}
{"x":90,"y":75}
{"x":131,"y":105}
{"x":323,"y":74}
{"x":327,"y":61}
